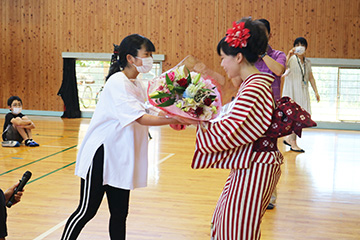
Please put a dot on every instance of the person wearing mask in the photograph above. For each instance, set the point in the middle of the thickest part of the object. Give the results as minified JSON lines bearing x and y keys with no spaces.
{"x":113,"y":157}
{"x":298,"y":77}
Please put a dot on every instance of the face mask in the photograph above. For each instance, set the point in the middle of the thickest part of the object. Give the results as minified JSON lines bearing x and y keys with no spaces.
{"x":147,"y":64}
{"x":299,"y":50}
{"x":16,"y":110}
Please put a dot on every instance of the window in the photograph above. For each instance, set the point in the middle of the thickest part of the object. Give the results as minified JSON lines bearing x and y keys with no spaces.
{"x":91,"y":70}
{"x":339,"y":89}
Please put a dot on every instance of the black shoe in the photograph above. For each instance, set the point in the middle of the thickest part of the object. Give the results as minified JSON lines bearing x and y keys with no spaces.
{"x":270,"y":206}
{"x":299,"y":151}
{"x":31,"y":143}
{"x":286,"y":143}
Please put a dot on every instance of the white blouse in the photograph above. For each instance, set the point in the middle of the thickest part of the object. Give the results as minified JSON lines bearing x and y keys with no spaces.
{"x":295,"y":86}
{"x":125,"y":141}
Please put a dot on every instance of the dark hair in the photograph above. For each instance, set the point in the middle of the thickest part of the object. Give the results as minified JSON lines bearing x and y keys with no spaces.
{"x":256,"y":45}
{"x":302,"y":41}
{"x":13,"y":98}
{"x":129,"y":45}
{"x":266,"y":23}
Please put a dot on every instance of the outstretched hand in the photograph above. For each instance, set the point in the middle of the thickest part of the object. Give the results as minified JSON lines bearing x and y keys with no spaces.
{"x":185,"y":121}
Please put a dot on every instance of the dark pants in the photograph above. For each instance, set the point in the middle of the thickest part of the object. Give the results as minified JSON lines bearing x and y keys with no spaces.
{"x":3,"y":215}
{"x":91,"y":195}
{"x":11,"y":133}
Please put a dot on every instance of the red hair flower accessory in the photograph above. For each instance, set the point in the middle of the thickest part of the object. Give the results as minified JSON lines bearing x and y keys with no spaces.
{"x":238,"y":35}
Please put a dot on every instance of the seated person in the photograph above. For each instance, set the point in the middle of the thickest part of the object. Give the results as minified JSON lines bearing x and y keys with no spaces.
{"x":17,"y":126}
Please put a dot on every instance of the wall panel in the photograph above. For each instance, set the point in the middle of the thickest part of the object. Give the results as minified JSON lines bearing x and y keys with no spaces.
{"x":35,"y":33}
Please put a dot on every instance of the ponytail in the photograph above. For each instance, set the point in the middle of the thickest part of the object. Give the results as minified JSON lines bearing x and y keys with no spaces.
{"x":129,"y":45}
{"x":114,"y":64}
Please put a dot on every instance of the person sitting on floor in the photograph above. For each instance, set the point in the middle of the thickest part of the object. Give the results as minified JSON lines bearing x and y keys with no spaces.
{"x":17,"y":126}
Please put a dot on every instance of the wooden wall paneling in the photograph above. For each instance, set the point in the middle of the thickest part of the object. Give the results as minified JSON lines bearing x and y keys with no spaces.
{"x":218,"y":16}
{"x":5,"y":43}
{"x":203,"y":26}
{"x":153,"y":23}
{"x":116,"y":22}
{"x":35,"y":33}
{"x":356,"y":32}
{"x":162,"y":33}
{"x":34,"y":72}
{"x":48,"y":87}
{"x":104,"y":28}
{"x":133,"y":26}
{"x":281,"y":23}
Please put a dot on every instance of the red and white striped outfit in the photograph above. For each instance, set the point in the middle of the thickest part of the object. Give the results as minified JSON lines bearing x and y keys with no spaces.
{"x":229,"y":144}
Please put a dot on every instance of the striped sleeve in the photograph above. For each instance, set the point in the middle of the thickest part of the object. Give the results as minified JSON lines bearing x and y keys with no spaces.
{"x":227,"y":143}
{"x":248,"y":120}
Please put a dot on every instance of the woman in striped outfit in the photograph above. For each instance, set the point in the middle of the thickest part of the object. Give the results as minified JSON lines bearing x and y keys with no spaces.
{"x":237,"y":141}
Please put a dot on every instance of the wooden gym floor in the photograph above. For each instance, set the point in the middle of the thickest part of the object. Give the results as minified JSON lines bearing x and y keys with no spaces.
{"x":318,"y":193}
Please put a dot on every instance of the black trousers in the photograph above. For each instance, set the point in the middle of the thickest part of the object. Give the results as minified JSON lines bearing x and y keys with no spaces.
{"x":3,"y":215}
{"x":91,"y":194}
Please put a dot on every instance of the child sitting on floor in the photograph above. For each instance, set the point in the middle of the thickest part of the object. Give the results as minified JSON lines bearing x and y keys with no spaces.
{"x":17,"y":126}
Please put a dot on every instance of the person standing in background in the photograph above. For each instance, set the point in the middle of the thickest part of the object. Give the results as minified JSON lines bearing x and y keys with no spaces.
{"x":296,"y":84}
{"x":273,"y":62}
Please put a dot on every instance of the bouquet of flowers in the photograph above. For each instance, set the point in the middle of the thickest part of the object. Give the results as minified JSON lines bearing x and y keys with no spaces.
{"x":184,"y":93}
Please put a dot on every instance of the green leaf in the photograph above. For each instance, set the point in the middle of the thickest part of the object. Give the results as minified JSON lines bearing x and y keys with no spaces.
{"x":189,"y":78}
{"x":179,"y":89}
{"x":167,"y":103}
{"x":161,"y":95}
{"x":168,"y":81}
{"x":212,"y":97}
{"x":205,"y":90}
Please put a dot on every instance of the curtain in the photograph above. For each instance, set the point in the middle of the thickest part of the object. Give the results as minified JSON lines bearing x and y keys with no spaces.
{"x":68,"y":90}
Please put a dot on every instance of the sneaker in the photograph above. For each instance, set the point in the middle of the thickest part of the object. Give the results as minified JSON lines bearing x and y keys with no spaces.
{"x":31,"y":143}
{"x":270,"y":206}
{"x":10,"y":144}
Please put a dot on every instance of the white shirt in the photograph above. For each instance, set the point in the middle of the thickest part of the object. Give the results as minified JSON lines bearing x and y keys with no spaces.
{"x":125,"y":141}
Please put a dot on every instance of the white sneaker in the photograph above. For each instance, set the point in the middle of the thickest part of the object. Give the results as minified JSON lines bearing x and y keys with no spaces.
{"x":10,"y":144}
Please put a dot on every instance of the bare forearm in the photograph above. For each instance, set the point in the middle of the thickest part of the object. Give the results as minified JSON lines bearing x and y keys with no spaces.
{"x":313,"y":83}
{"x":277,"y":68}
{"x":151,"y":120}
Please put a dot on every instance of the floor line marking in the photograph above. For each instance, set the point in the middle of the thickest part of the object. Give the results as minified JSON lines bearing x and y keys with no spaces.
{"x":166,"y":158}
{"x":38,"y":160}
{"x":56,"y":170}
{"x":51,"y":230}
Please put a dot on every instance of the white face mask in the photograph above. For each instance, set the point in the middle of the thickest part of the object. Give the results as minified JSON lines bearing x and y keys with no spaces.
{"x":147,"y":64}
{"x":299,"y":50}
{"x":16,"y":110}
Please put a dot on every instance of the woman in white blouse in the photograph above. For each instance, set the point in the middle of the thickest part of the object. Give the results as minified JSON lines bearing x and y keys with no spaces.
{"x":113,"y":155}
{"x":296,"y":84}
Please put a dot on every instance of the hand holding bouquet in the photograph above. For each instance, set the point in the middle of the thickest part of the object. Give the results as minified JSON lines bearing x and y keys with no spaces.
{"x":186,"y":94}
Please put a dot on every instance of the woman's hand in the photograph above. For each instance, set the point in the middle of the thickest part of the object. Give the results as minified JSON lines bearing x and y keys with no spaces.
{"x":178,"y":127}
{"x":184,"y":121}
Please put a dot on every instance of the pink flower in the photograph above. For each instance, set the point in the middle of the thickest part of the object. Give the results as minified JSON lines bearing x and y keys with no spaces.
{"x":162,"y":100}
{"x":171,"y":76}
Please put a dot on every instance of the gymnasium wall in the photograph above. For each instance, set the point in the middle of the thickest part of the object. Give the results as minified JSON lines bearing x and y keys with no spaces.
{"x":34,"y":33}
